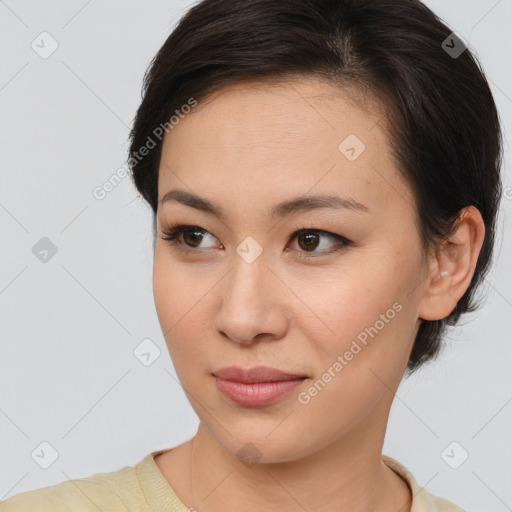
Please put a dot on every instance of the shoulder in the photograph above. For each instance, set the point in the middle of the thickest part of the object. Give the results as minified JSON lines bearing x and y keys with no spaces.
{"x":101,"y":491}
{"x":423,"y":501}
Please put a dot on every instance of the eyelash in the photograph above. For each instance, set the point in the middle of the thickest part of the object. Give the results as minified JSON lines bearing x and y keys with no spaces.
{"x":171,"y":234}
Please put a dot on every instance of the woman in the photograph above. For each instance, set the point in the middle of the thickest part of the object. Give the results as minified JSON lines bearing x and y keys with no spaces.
{"x":325,"y":179}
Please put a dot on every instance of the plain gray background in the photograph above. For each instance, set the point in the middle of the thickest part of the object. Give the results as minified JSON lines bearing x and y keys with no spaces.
{"x":69,"y":326}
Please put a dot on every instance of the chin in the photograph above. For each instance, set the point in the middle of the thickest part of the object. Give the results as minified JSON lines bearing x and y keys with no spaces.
{"x":258,"y":449}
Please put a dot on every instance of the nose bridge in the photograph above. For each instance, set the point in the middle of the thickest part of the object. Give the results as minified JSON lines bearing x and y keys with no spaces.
{"x":248,"y":308}
{"x":245,"y":289}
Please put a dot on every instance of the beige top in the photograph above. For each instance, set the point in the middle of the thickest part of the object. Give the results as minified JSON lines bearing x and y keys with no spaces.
{"x":143,"y":488}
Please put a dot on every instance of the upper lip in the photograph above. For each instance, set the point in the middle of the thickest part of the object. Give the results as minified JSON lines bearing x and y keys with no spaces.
{"x":255,"y":374}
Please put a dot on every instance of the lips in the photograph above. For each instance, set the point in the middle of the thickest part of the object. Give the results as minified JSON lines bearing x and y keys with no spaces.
{"x":255,"y":374}
{"x":258,"y":386}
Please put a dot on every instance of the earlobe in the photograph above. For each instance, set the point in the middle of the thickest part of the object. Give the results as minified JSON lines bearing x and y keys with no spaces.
{"x":453,"y":267}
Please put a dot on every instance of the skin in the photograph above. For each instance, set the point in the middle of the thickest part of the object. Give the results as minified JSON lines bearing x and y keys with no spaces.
{"x":247,"y":148}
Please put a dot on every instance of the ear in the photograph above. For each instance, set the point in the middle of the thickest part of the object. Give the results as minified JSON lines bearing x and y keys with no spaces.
{"x":453,"y":266}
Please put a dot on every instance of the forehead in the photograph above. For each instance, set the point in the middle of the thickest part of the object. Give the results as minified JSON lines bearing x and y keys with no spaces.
{"x":300,"y":111}
{"x":267,"y":141}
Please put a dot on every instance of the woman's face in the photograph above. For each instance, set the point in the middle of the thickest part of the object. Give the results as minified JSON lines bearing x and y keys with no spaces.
{"x":239,"y":290}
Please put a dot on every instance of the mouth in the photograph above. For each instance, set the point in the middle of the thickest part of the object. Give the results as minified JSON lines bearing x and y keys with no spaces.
{"x":256,"y":374}
{"x":257,"y":386}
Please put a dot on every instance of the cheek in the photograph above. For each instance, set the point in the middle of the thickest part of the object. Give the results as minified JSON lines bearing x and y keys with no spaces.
{"x":181,"y":300}
{"x":364,"y":358}
{"x":339,"y":309}
{"x":176,"y":293}
{"x":366,"y":317}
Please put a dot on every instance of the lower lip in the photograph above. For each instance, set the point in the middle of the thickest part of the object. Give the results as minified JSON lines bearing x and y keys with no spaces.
{"x":257,"y":394}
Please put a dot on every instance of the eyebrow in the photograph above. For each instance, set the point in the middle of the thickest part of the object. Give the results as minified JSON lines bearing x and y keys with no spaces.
{"x":296,"y":205}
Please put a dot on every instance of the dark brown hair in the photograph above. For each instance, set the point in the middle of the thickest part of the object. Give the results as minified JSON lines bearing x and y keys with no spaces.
{"x":443,"y":123}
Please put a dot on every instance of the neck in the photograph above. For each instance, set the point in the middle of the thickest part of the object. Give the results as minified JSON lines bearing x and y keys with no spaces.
{"x":347,"y":474}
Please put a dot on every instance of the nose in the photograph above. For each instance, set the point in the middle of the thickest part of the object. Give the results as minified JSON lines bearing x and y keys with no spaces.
{"x":251,"y":306}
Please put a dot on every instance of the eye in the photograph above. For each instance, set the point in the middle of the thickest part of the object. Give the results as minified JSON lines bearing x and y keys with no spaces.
{"x":188,"y":239}
{"x":193,"y":236}
{"x":310,"y":239}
